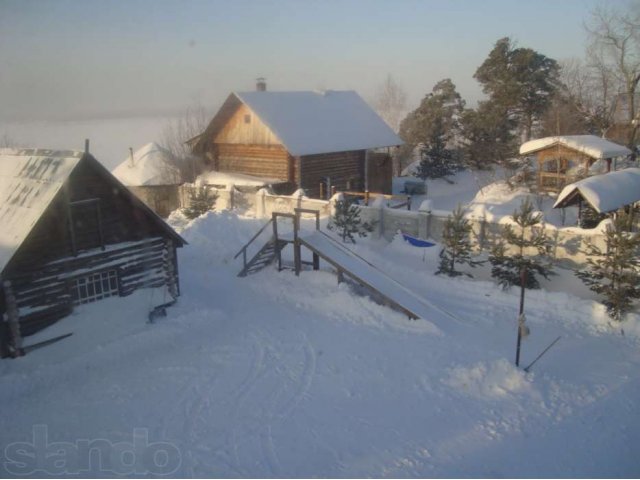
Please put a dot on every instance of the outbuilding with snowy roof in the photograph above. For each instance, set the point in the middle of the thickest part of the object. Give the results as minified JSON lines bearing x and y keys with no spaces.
{"x":309,"y":140}
{"x":562,"y":160}
{"x":603,"y":193}
{"x":152,"y":175}
{"x":72,"y":234}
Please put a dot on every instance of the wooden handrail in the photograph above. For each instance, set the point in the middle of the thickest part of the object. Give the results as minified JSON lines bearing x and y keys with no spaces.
{"x":244,"y":249}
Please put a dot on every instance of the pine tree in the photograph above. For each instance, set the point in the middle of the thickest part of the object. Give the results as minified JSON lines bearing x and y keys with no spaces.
{"x":434,"y":126}
{"x":512,"y":269}
{"x":347,"y":222}
{"x":437,"y":161}
{"x":201,"y":200}
{"x":457,"y":245}
{"x":615,"y":273}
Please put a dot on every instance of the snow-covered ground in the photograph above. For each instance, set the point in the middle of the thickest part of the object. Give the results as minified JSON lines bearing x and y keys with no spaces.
{"x":278,"y":375}
{"x":486,"y":193}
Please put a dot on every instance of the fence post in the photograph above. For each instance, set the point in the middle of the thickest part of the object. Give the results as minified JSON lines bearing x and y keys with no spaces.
{"x":482,"y":235}
{"x":424,"y":220}
{"x":260,"y":206}
{"x":232,"y":202}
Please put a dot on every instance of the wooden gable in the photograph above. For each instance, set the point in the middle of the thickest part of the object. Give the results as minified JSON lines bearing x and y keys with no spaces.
{"x":245,"y":128}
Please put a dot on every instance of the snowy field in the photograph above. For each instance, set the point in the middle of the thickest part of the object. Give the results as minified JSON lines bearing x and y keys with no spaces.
{"x":278,"y":376}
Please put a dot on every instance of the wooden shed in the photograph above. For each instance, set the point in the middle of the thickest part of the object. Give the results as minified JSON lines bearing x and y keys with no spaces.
{"x":72,"y":234}
{"x":303,"y":139}
{"x":564,"y":159}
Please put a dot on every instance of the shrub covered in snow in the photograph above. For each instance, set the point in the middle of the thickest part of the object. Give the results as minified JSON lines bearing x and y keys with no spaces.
{"x":201,"y":200}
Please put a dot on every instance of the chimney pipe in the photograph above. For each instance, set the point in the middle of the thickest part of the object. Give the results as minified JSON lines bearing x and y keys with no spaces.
{"x":261,"y":84}
{"x":131,"y":162}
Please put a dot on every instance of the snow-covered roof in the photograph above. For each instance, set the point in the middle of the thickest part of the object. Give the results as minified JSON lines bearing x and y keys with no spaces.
{"x":605,"y":193}
{"x":320,"y":122}
{"x":151,"y":165}
{"x":237,"y":179}
{"x":29,"y":180}
{"x":590,"y":145}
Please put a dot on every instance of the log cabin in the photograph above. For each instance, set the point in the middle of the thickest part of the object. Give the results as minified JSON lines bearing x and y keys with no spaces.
{"x":306,"y":140}
{"x":565,"y":159}
{"x":72,"y":234}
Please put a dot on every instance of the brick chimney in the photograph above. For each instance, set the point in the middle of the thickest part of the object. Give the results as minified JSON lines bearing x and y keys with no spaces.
{"x":261,"y":84}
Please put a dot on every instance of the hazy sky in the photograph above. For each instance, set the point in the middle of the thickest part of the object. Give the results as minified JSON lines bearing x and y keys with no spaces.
{"x":94,"y":58}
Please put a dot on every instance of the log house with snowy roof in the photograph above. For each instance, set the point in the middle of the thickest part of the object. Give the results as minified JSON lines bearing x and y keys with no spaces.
{"x":302,"y":139}
{"x":72,"y":234}
{"x":564,"y":159}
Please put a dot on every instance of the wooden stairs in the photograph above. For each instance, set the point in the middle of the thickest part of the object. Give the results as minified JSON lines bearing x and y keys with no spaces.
{"x":265,"y":256}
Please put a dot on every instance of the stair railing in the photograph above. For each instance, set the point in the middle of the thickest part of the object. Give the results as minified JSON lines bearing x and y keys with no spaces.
{"x":243,"y":250}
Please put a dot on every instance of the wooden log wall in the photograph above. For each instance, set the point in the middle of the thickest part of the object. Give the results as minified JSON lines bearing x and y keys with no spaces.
{"x":346,"y":170}
{"x":271,"y":161}
{"x":44,"y":295}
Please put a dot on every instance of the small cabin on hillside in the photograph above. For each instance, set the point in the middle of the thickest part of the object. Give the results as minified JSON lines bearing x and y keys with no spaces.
{"x":308,"y":140}
{"x":72,"y":234}
{"x":563,"y":160}
{"x":152,"y":175}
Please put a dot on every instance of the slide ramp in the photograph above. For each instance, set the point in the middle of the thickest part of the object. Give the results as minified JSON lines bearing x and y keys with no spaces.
{"x":367,"y":274}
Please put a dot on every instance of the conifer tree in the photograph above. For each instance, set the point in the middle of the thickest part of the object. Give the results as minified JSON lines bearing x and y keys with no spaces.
{"x":201,"y":200}
{"x":520,"y":268}
{"x":615,"y":273}
{"x":457,"y":245}
{"x":347,"y":222}
{"x":512,"y":269}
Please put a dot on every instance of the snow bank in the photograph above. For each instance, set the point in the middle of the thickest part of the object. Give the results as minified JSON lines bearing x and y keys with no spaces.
{"x":495,"y":379}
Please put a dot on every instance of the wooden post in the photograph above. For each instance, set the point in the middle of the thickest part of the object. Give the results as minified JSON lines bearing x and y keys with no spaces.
{"x":274,"y":220}
{"x":322,"y":193}
{"x":297,"y":260}
{"x":316,"y":261}
{"x":13,"y":317}
{"x":333,"y":190}
{"x":366,"y":198}
{"x":409,"y":202}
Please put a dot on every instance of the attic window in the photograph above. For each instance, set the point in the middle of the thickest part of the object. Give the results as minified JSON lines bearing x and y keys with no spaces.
{"x":247,"y":118}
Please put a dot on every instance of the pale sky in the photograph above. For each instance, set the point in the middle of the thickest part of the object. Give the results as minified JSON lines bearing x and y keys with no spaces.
{"x":74,"y":59}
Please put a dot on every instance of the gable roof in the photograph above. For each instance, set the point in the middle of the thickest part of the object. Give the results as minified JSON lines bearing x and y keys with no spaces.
{"x":310,"y":123}
{"x":605,"y":193}
{"x":30,"y":179}
{"x":590,"y":145}
{"x":152,"y":165}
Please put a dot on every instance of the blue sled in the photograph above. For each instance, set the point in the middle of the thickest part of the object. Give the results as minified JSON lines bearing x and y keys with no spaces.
{"x":417,"y":242}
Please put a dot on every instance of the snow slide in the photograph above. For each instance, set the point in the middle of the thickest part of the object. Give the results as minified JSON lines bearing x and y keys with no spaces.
{"x":367,"y":274}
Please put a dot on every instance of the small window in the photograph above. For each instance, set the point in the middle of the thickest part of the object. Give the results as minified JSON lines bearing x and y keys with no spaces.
{"x":95,"y":287}
{"x":85,"y":224}
{"x":247,"y":118}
